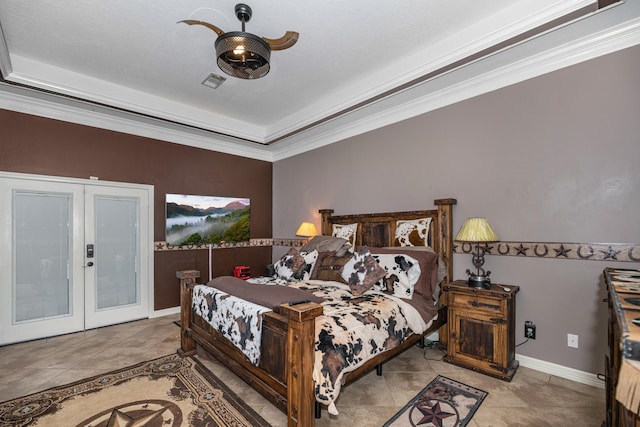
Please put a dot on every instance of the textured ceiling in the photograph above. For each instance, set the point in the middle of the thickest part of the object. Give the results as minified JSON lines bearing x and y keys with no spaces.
{"x":354,"y":59}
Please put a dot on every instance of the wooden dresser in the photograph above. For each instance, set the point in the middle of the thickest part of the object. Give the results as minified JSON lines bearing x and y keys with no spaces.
{"x":623,"y":361}
{"x":481,"y":328}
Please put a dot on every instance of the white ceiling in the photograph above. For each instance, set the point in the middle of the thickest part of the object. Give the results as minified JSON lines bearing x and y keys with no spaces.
{"x":358,"y":64}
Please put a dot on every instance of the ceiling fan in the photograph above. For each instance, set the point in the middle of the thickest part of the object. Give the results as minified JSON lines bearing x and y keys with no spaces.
{"x":245,"y":55}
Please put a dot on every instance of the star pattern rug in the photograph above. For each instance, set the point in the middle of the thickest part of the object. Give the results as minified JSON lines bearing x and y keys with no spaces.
{"x":170,"y":392}
{"x":442,"y":403}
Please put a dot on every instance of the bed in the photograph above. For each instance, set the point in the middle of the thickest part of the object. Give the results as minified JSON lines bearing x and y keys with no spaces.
{"x":289,"y":347}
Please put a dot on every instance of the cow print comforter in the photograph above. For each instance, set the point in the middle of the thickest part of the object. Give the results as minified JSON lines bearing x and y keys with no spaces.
{"x":354,"y":329}
{"x":237,"y":319}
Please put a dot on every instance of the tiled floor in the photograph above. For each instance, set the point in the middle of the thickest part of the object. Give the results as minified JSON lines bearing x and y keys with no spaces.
{"x":531,"y":399}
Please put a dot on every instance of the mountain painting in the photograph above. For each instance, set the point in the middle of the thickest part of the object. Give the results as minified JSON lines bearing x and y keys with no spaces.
{"x":193,"y":220}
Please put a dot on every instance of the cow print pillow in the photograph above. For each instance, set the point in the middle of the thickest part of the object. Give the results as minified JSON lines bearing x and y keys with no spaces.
{"x":362,"y":271}
{"x":414,"y":232}
{"x":346,"y":231}
{"x":295,"y":266}
{"x":304,"y":273}
{"x":289,"y":265}
{"x":401,"y":274}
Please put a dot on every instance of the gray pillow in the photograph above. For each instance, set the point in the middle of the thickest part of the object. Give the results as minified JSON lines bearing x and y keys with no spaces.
{"x":327,"y":244}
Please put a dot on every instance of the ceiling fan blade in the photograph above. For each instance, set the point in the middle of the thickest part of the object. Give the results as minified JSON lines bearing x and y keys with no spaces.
{"x":285,"y":42}
{"x":212,"y":27}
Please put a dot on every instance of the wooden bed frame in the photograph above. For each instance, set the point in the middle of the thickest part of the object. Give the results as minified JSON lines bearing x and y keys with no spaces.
{"x":284,"y":374}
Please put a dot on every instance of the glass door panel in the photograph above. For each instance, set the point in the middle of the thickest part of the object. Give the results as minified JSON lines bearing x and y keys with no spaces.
{"x":117,"y":288}
{"x":116,"y":230}
{"x":42,"y":254}
{"x":42,"y":287}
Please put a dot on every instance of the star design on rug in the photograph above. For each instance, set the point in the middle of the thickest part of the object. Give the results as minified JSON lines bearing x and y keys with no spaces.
{"x":521,"y":250}
{"x":433,"y":414}
{"x":120,"y":419}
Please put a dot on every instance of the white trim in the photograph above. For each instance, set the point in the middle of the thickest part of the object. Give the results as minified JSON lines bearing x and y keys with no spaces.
{"x":52,"y":106}
{"x":437,"y":93}
{"x":164,"y":312}
{"x":97,"y":182}
{"x":5,"y":59}
{"x":550,"y":368}
{"x":560,"y":371}
{"x":600,"y":33}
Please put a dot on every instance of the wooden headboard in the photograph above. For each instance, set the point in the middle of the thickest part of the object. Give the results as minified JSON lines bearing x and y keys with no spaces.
{"x":378,"y":229}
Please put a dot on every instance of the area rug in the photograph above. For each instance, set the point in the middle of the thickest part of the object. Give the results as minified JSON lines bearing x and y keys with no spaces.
{"x":170,"y":391}
{"x":442,"y":403}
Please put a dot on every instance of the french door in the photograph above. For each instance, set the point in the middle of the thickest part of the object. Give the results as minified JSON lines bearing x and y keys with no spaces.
{"x":73,"y":255}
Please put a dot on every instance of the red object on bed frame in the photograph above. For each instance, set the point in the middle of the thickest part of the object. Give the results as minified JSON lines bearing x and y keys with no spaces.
{"x":284,"y":374}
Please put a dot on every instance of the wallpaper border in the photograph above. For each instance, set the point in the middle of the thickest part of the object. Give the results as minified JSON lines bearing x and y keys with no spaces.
{"x":621,"y":252}
{"x":267,"y":241}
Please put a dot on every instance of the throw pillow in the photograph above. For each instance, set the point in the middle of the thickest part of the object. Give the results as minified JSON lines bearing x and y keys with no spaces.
{"x":414,"y":232}
{"x":289,"y":265}
{"x":329,"y":267}
{"x":362,"y":271}
{"x":401,"y":274}
{"x":346,"y":231}
{"x":307,"y":267}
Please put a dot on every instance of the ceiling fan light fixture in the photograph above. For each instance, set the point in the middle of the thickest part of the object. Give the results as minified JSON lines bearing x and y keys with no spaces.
{"x":243,"y":55}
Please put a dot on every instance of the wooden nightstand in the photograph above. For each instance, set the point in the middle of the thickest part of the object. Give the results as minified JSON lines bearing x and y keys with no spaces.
{"x":482,"y":328}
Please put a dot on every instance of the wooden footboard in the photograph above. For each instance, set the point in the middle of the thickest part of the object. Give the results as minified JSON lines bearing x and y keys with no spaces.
{"x":285,"y":372}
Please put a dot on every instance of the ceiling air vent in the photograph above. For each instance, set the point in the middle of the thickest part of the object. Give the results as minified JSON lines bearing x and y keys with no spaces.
{"x":213,"y":81}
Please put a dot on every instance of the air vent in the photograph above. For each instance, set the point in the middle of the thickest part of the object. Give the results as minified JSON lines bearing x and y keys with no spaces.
{"x":213,"y":81}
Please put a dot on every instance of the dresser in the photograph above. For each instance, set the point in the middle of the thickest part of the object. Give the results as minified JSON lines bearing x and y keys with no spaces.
{"x":622,"y":363}
{"x":481,"y":328}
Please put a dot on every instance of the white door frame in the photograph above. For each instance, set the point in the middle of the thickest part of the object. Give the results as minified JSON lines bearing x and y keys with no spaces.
{"x":149,"y":274}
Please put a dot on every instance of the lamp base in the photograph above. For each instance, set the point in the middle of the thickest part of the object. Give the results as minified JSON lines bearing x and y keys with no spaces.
{"x":480,"y":282}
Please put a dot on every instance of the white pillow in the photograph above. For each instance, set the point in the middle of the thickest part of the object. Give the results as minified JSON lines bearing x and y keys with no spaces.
{"x":345,"y":231}
{"x":403,"y":273}
{"x":310,"y":259}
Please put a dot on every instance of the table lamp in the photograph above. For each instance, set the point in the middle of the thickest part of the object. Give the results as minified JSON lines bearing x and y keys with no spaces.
{"x":478,"y":230}
{"x":307,"y":230}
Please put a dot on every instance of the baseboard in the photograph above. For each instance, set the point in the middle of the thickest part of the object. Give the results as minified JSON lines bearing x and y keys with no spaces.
{"x":560,"y":371}
{"x":164,"y":312}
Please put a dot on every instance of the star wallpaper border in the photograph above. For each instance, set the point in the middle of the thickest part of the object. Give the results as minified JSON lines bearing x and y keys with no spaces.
{"x":621,"y":252}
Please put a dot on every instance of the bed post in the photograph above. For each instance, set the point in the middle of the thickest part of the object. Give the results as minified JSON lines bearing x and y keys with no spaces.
{"x":300,"y":361}
{"x":444,"y":248}
{"x":326,"y":225}
{"x":445,"y":234}
{"x":187,"y":280}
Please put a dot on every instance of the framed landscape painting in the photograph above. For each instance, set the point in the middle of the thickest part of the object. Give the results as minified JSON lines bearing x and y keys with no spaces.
{"x":193,"y":220}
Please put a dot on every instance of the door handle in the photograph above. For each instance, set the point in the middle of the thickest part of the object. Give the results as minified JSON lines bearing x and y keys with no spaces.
{"x":90,"y":264}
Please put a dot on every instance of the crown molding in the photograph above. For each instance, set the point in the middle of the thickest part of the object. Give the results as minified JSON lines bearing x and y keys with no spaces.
{"x":56,"y":107}
{"x":602,"y":32}
{"x":489,"y":75}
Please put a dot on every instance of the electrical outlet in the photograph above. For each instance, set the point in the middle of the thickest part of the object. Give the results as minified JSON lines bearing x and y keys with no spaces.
{"x":529,"y":330}
{"x":572,"y":340}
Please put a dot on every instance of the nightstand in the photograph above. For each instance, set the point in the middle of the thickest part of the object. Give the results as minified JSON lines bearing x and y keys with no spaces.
{"x":482,"y":328}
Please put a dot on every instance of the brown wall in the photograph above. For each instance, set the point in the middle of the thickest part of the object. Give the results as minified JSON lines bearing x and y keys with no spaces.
{"x":551,"y":159}
{"x":31,"y":144}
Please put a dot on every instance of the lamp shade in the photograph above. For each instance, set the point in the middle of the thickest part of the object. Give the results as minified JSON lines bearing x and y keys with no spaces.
{"x":307,"y":229}
{"x":477,"y":230}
